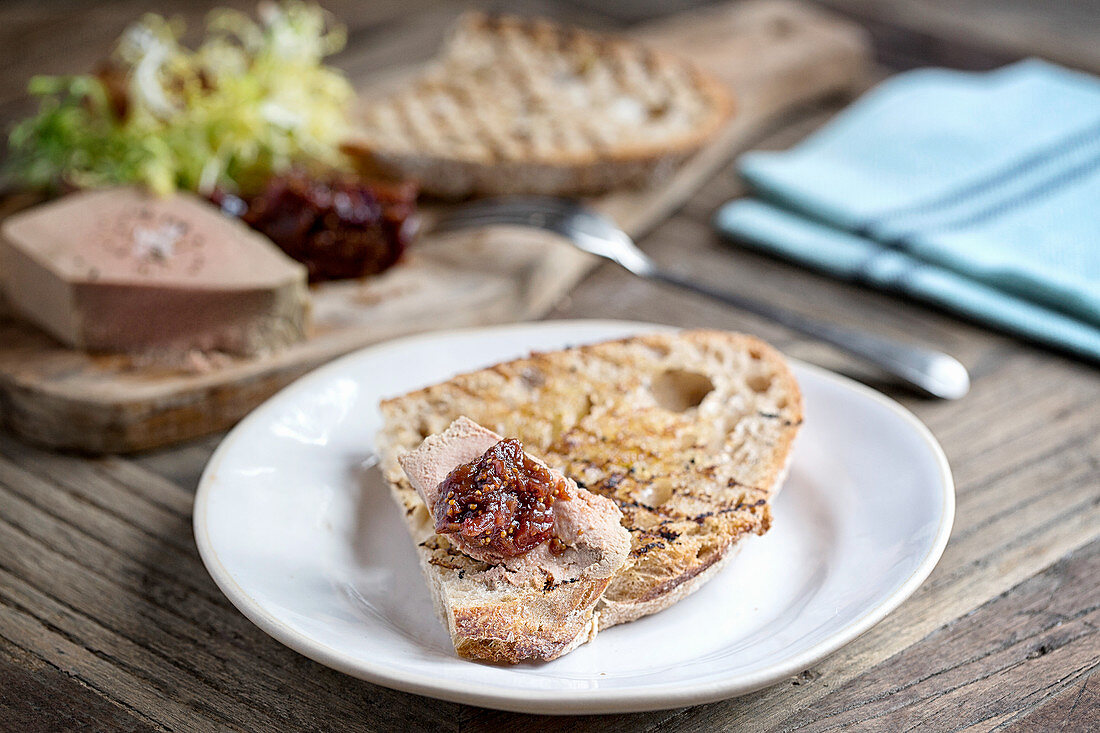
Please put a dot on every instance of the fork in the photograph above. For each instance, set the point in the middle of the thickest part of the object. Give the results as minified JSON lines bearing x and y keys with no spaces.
{"x":927,"y":371}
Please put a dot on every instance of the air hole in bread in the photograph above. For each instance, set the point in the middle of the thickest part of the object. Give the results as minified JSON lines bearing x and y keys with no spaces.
{"x":759,"y":382}
{"x":678,"y":390}
{"x":653,"y":494}
{"x":706,"y":553}
{"x":658,"y":350}
{"x":585,"y":409}
{"x":423,"y":430}
{"x":533,"y":377}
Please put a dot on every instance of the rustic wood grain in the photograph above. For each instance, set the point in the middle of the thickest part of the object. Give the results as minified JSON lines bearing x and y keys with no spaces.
{"x":978,"y":33}
{"x":108,"y":621}
{"x":100,"y":577}
{"x":37,"y":696}
{"x":1074,"y":708}
{"x":1039,"y":640}
{"x":774,"y":54}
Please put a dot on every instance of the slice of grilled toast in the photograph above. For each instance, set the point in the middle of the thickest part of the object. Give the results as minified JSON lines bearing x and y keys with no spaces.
{"x":689,"y":433}
{"x":525,"y":106}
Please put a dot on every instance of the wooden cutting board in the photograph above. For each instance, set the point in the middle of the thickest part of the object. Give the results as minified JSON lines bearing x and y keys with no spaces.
{"x":775,"y":54}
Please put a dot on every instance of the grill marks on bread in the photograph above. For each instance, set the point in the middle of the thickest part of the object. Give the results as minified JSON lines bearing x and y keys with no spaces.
{"x":690,"y":483}
{"x":523,"y":105}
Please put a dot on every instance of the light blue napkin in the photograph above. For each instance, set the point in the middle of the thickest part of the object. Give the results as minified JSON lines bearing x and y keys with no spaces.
{"x":976,"y":191}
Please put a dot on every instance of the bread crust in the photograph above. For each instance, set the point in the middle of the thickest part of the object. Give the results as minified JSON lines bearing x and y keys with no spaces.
{"x":691,"y":471}
{"x":516,"y":169}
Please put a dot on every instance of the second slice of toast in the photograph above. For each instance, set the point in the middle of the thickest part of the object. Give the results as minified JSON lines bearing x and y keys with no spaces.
{"x":518,"y":105}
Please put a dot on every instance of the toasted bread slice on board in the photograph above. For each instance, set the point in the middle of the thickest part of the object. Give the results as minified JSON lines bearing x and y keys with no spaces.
{"x":690,"y":433}
{"x":525,"y":106}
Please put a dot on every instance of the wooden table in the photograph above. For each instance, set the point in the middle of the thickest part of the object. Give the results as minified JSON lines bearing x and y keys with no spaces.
{"x":108,"y":620}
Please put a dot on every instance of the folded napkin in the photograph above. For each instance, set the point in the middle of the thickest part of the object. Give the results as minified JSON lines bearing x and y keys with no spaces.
{"x":976,"y":191}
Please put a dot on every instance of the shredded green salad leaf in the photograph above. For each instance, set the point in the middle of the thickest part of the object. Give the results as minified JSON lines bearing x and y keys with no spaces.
{"x":252,"y":100}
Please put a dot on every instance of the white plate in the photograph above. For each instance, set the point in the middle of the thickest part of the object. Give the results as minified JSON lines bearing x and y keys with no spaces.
{"x":297,"y":528}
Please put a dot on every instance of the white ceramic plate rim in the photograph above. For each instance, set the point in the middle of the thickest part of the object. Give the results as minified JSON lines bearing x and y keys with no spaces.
{"x":651,"y":697}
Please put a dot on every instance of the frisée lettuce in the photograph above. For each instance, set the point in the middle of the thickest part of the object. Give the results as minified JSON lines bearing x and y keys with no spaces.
{"x":254,"y":99}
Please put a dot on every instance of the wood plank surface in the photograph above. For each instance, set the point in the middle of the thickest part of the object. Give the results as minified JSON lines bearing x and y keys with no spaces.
{"x":108,"y":620}
{"x":980,"y":33}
